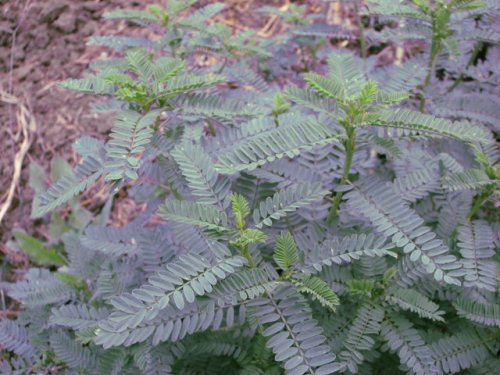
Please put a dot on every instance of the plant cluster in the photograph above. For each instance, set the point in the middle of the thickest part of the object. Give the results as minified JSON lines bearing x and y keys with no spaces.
{"x":338,"y":218}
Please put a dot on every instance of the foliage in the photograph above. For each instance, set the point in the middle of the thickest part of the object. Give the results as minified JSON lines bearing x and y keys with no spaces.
{"x":344,"y":223}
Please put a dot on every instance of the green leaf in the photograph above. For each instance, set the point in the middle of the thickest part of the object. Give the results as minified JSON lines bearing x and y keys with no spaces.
{"x":74,"y":281}
{"x":37,"y":253}
{"x":411,"y":300}
{"x":280,"y":106}
{"x":368,"y":94}
{"x":470,"y":179}
{"x":84,"y":175}
{"x":287,"y":200}
{"x":391,"y":97}
{"x":310,"y":99}
{"x":347,"y":70}
{"x":325,"y":87}
{"x":363,"y":288}
{"x":192,"y":213}
{"x":261,"y":142}
{"x":319,"y":290}
{"x":250,"y":236}
{"x":241,"y":209}
{"x":389,"y":275}
{"x":482,"y":313}
{"x":412,"y":120}
{"x":286,"y":253}
{"x":203,"y":181}
{"x":130,"y":135}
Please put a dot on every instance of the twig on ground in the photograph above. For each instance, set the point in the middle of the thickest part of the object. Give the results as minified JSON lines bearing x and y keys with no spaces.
{"x":27,"y":124}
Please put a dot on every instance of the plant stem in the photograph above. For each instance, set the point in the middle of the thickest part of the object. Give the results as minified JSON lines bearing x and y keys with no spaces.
{"x":473,"y":56}
{"x":432,"y":62}
{"x":361,"y":27}
{"x":440,"y":18}
{"x":245,"y":251}
{"x":480,"y":200}
{"x":350,"y":145}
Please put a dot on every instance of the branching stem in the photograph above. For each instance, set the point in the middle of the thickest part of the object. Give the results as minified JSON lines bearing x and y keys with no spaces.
{"x":478,"y":47}
{"x":432,"y":62}
{"x":480,"y":200}
{"x":245,"y":251}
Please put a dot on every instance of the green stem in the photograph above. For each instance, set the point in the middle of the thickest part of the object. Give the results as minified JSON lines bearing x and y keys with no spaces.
{"x":362,"y":38}
{"x":276,"y":119}
{"x":176,"y":193}
{"x":245,"y":251}
{"x":432,"y":61}
{"x":440,"y":18}
{"x":350,"y":145}
{"x":479,"y":201}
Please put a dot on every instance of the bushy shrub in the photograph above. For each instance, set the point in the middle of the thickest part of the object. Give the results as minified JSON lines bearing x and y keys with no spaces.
{"x":343,"y":223}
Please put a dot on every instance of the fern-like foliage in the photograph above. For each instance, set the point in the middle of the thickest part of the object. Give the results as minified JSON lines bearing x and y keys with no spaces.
{"x":359,"y":338}
{"x":402,"y":338}
{"x":14,"y":338}
{"x":259,"y":148}
{"x":319,"y":291}
{"x":467,"y":180}
{"x":292,"y":333}
{"x":460,"y":351}
{"x":475,"y":107}
{"x":287,"y":200}
{"x":310,"y":99}
{"x":222,"y":109}
{"x":164,"y":288}
{"x":194,"y":214}
{"x":393,"y":217}
{"x":201,"y":176}
{"x":84,"y":175}
{"x":40,"y":288}
{"x":77,"y":317}
{"x":128,"y":139}
{"x":411,"y":120}
{"x":477,"y":248}
{"x":415,"y":302}
{"x":286,"y":253}
{"x":417,"y":185}
{"x":482,"y":313}
{"x":74,"y":354}
{"x":346,"y":250}
{"x":245,"y":285}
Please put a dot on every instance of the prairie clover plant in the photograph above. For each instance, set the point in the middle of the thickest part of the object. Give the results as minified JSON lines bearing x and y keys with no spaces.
{"x":344,"y":223}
